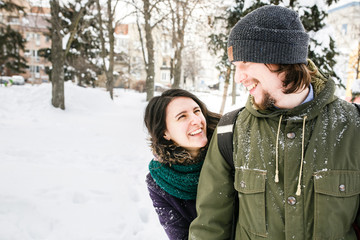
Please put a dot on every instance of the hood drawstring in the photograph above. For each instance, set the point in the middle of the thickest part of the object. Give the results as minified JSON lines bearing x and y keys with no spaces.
{"x":298,"y":192}
{"x":277,"y":151}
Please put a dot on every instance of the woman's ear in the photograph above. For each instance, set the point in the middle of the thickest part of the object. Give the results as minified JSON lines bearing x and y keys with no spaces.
{"x":167,"y":135}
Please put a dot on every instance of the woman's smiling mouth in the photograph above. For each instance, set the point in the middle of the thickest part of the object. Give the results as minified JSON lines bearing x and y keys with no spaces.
{"x":196,"y":132}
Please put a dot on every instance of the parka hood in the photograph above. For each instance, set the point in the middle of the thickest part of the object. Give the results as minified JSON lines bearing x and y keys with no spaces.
{"x":323,"y":94}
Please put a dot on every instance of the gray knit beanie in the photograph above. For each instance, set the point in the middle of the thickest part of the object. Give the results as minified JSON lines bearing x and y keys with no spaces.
{"x":270,"y":34}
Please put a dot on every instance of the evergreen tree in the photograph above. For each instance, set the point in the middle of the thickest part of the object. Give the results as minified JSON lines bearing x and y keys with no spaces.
{"x":12,"y":43}
{"x":81,"y":62}
{"x":59,"y":32}
{"x":323,"y":55}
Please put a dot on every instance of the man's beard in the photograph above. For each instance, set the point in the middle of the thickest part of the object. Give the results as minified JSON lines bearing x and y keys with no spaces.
{"x":266,"y":103}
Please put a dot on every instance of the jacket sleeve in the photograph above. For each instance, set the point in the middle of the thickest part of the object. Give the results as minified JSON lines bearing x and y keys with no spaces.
{"x":215,"y":197}
{"x":174,"y":224}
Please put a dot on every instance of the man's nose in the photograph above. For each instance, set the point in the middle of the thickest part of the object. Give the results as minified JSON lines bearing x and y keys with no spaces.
{"x":240,"y":76}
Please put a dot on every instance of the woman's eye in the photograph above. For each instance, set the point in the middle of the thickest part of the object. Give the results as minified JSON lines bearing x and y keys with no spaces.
{"x":197,"y":111}
{"x":181,"y":116}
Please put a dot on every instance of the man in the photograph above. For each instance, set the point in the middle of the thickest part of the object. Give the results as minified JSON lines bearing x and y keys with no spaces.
{"x":296,"y":149}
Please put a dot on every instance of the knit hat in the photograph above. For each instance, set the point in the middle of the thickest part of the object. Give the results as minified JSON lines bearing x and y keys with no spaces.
{"x":270,"y":34}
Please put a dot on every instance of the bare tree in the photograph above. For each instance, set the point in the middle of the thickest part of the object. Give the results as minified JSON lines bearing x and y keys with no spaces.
{"x":152,"y":15}
{"x":192,"y":63}
{"x":226,"y":87}
{"x":107,"y":29}
{"x":150,"y":12}
{"x":181,"y":11}
{"x":57,"y":53}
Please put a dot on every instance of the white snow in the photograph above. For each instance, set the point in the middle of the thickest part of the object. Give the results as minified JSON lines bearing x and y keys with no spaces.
{"x":77,"y":174}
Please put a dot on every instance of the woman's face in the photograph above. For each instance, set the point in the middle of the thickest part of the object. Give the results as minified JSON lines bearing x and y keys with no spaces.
{"x":186,"y":125}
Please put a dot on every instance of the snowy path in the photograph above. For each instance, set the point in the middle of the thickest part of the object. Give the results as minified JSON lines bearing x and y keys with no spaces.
{"x":75,"y":174}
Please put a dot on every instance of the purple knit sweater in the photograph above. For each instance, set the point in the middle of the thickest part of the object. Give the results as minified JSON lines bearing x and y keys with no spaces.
{"x":175,"y":214}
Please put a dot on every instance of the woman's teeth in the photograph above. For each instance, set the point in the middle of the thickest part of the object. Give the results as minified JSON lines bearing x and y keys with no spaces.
{"x":196,"y":132}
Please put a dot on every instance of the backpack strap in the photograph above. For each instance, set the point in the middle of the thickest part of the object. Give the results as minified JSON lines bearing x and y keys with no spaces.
{"x":357,"y":106}
{"x":225,"y":130}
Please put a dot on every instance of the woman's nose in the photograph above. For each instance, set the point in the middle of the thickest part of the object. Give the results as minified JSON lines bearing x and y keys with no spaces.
{"x":195,"y":119}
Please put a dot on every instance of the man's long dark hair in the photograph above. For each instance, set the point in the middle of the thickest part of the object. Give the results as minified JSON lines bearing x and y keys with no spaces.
{"x":297,"y":76}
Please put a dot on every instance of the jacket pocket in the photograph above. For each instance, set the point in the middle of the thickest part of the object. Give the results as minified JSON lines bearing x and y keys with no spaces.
{"x":336,"y":203}
{"x":250,"y":185}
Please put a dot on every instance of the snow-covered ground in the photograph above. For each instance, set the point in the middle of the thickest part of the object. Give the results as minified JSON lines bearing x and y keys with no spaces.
{"x":76,"y":174}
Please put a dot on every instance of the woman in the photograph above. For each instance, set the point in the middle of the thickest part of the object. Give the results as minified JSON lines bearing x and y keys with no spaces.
{"x":180,"y":127}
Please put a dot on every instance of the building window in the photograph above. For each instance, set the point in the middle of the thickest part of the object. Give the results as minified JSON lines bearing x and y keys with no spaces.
{"x":166,"y":46}
{"x":165,"y":76}
{"x":344,"y":29}
{"x":13,"y":20}
{"x":35,"y":55}
{"x":34,"y":69}
{"x":37,"y":39}
{"x":28,"y":36}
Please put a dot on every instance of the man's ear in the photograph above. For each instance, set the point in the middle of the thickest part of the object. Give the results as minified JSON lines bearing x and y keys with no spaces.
{"x":167,"y":135}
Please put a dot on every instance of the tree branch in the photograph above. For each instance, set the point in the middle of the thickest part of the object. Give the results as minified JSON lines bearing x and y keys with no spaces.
{"x":141,"y":39}
{"x":74,"y":25}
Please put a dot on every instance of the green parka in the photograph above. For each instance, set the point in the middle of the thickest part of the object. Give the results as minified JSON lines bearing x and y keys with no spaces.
{"x":317,"y":193}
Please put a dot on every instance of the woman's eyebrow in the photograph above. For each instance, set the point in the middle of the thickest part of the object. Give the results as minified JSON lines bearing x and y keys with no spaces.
{"x":182,"y":112}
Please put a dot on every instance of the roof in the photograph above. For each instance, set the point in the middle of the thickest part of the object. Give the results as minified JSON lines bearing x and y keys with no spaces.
{"x":342,"y":4}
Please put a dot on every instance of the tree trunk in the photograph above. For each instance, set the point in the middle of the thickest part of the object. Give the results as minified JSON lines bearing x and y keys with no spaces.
{"x":358,"y":63}
{"x":150,"y":63}
{"x":357,"y":72}
{"x":110,"y":72}
{"x":233,"y":88}
{"x":57,"y":58}
{"x":226,"y":86}
{"x":180,"y":17}
{"x":178,"y":41}
{"x":177,"y":68}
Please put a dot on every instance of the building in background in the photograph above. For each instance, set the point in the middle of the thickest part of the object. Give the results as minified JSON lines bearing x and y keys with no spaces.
{"x":33,"y":26}
{"x":345,"y":20}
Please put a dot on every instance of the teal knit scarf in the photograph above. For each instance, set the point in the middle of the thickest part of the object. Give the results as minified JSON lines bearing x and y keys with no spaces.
{"x":180,"y":181}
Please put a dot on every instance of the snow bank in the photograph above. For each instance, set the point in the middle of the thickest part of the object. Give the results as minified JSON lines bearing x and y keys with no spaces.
{"x":74,"y":174}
